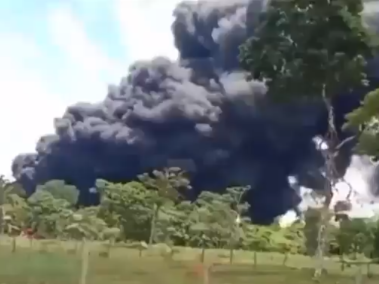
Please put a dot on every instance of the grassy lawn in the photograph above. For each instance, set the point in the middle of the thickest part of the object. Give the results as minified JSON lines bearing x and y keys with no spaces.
{"x":51,"y":263}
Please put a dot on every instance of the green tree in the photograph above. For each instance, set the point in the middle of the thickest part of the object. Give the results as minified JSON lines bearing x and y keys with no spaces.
{"x":294,"y":234}
{"x":259,"y":238}
{"x":85,"y":224}
{"x":210,"y":222}
{"x":11,"y":202}
{"x":312,"y":219}
{"x":355,"y":237}
{"x":48,"y":215}
{"x":174,"y":224}
{"x":127,"y":206}
{"x":236,"y":210}
{"x":310,"y":51}
{"x":365,"y":120}
{"x":17,"y":210}
{"x":375,"y":243}
{"x":167,"y":185}
{"x":60,"y":190}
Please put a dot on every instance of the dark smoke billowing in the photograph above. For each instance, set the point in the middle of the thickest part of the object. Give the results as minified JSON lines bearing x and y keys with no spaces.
{"x":198,"y":112}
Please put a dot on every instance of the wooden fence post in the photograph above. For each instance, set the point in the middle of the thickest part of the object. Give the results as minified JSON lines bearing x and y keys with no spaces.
{"x":85,"y":260}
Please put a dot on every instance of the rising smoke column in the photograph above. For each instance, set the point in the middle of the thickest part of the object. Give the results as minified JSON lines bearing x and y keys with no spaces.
{"x":198,"y":112}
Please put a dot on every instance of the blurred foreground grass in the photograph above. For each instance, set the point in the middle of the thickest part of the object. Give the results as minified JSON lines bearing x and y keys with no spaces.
{"x":49,"y":262}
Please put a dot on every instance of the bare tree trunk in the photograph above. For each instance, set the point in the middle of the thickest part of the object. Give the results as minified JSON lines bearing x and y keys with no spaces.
{"x":153,"y":224}
{"x":321,"y":239}
{"x":331,"y":139}
{"x":231,"y":251}
{"x":232,"y":243}
{"x":85,"y":262}
{"x":202,"y":255}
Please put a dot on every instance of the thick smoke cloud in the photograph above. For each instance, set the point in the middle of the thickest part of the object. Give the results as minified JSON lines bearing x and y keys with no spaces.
{"x":198,"y":112}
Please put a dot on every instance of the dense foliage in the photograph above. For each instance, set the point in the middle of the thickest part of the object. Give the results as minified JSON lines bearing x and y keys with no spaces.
{"x":128,"y":213}
{"x":365,"y":119}
{"x":310,"y":49}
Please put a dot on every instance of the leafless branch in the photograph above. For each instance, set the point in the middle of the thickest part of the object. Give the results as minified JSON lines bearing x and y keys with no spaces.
{"x":343,"y":143}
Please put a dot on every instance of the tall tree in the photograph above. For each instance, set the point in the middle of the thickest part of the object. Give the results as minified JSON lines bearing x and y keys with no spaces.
{"x":237,"y":209}
{"x":10,"y":196}
{"x":61,"y":190}
{"x":312,"y":222}
{"x":355,"y":237}
{"x":127,"y":206}
{"x":85,"y":224}
{"x":211,"y":221}
{"x":375,"y":244}
{"x":48,"y":215}
{"x":310,"y":51}
{"x":167,"y":186}
{"x":174,"y":224}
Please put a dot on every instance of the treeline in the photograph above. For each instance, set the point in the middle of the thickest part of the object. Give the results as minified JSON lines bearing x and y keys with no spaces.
{"x":152,"y":210}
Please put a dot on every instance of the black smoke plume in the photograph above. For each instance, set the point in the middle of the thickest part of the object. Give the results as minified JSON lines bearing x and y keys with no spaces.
{"x":199,"y":113}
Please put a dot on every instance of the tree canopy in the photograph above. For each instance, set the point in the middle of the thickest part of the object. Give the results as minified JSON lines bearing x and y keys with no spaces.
{"x":310,"y":49}
{"x":213,"y":220}
{"x":365,"y":121}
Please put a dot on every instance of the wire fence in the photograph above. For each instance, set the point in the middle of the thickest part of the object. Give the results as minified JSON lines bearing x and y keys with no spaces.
{"x":53,"y":262}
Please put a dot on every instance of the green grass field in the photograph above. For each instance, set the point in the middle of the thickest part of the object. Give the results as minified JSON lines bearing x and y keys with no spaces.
{"x":49,"y":262}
